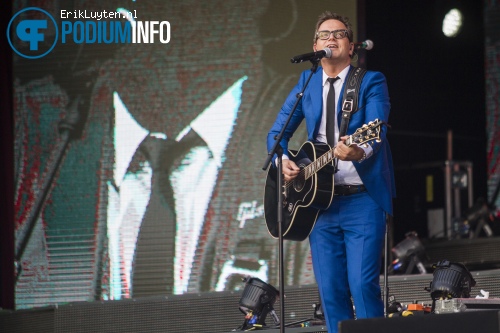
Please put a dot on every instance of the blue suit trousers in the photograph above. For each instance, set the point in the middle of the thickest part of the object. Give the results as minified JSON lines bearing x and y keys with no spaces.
{"x":346,"y":247}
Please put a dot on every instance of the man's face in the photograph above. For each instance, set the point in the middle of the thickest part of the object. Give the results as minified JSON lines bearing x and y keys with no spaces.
{"x":341,"y":48}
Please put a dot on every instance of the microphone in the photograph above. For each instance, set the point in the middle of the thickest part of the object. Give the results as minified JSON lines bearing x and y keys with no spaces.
{"x":326,"y":53}
{"x":367,"y":45}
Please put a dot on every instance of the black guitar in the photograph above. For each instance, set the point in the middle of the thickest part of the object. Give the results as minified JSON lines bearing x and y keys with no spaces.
{"x":311,"y":191}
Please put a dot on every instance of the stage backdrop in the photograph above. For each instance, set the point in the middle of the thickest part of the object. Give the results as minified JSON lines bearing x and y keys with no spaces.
{"x":149,"y":156}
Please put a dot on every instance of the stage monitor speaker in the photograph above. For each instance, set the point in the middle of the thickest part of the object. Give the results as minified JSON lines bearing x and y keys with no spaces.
{"x":464,"y":322}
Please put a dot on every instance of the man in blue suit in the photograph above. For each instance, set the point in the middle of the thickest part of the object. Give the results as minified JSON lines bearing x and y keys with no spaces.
{"x":348,"y":237}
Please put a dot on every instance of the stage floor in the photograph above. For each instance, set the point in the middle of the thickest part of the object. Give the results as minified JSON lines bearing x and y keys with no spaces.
{"x":203,"y":313}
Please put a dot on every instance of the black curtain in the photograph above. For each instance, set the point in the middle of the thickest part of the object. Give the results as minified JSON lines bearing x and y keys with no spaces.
{"x":6,"y":167}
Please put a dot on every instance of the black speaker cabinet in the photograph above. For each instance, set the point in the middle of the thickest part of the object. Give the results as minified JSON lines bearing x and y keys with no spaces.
{"x":464,"y":322}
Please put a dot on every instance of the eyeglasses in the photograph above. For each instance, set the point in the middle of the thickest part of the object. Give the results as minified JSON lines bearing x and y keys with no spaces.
{"x":325,"y":34}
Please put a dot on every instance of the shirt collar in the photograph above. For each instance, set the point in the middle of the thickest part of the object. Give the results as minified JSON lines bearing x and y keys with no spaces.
{"x":342,"y":75}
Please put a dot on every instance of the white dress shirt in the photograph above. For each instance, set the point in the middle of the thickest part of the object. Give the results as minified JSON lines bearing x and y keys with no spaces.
{"x":346,"y":174}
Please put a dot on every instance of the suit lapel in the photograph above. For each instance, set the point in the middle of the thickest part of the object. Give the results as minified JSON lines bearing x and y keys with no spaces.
{"x":316,"y":92}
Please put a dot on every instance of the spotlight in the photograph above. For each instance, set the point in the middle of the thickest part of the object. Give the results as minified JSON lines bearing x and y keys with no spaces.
{"x":408,"y":254}
{"x":256,"y":302}
{"x":452,"y":23}
{"x":450,"y":280}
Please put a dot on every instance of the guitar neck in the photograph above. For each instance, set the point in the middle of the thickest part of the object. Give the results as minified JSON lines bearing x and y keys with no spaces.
{"x":318,"y":164}
{"x":349,"y":141}
{"x":323,"y":160}
{"x":366,"y":134}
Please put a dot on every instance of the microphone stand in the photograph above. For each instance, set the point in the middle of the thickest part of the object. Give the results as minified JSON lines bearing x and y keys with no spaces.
{"x":69,"y":129}
{"x":388,"y":223}
{"x":278,"y":150}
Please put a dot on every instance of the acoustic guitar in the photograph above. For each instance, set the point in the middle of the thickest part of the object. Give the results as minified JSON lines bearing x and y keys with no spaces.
{"x":312,"y":190}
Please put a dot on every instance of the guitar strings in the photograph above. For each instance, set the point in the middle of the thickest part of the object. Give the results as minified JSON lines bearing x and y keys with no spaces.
{"x":372,"y":125}
{"x":289,"y":183}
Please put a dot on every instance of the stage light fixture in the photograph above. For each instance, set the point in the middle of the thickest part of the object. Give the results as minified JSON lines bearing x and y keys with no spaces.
{"x":257,"y":302}
{"x":408,"y":255}
{"x":450,"y":280}
{"x":452,"y":23}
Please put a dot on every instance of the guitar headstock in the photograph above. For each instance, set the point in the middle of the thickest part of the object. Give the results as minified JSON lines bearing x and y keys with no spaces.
{"x":367,"y":133}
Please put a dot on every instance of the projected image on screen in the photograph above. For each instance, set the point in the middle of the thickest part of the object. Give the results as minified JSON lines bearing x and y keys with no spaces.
{"x":192,"y":183}
{"x":160,"y":188}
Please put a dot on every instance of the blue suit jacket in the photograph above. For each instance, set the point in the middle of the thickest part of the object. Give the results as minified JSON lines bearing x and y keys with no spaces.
{"x":377,"y":171}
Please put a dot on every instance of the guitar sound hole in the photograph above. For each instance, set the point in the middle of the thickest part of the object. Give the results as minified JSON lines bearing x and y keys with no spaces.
{"x":299,"y":182}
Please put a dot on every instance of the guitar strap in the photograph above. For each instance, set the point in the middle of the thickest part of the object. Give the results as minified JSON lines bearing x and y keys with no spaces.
{"x":350,"y":100}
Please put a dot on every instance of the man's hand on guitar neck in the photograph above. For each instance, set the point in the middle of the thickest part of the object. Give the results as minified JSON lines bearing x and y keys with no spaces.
{"x":290,"y":169}
{"x":348,"y":153}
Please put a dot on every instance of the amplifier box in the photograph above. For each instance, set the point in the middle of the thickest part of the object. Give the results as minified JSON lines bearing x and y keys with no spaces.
{"x":466,"y":304}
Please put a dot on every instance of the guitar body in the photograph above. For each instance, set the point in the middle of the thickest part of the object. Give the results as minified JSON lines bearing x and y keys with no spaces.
{"x":303,"y":198}
{"x":312,"y":190}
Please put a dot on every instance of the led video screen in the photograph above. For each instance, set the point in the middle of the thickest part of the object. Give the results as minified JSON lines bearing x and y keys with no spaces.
{"x":138,"y":166}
